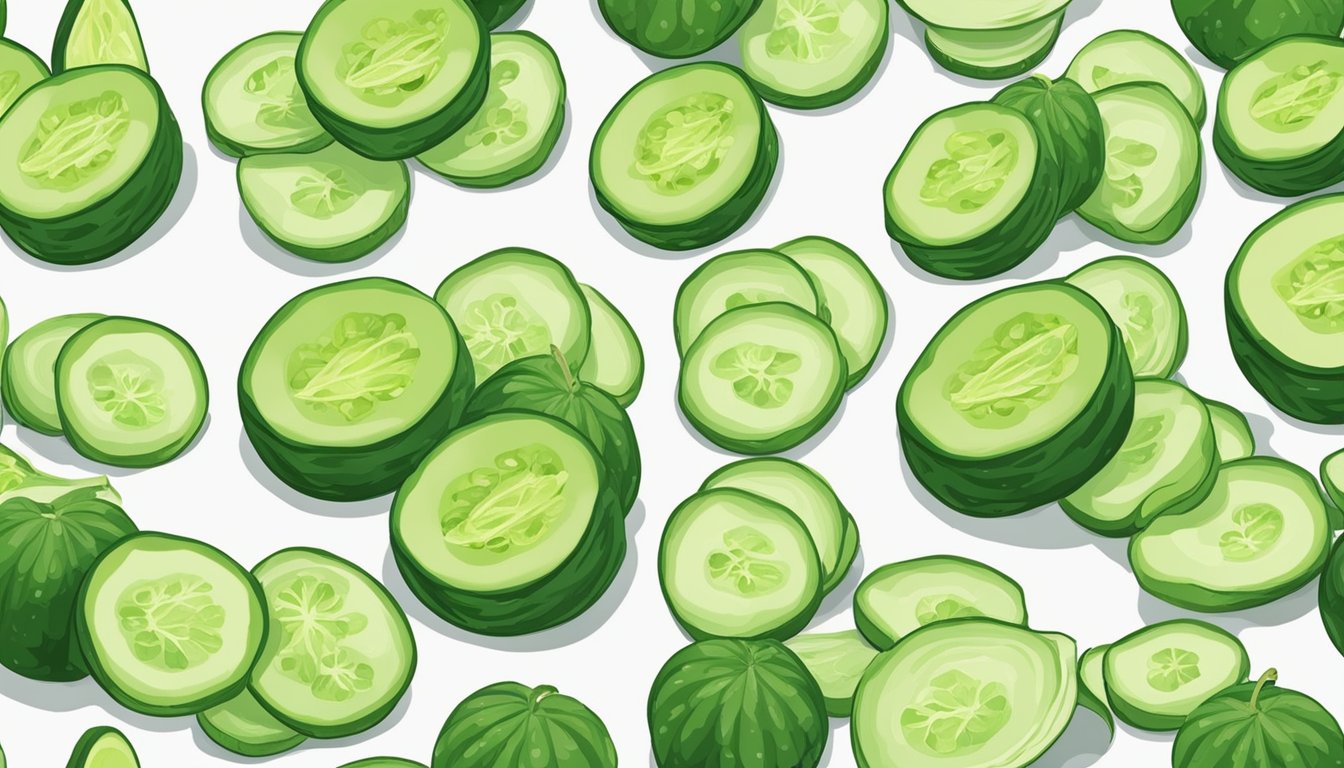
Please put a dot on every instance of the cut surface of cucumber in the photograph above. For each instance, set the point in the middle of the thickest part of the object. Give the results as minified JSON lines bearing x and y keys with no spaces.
{"x":1159,"y":674}
{"x":837,"y":661}
{"x":252,"y":100}
{"x":244,"y":727}
{"x":28,"y":379}
{"x":739,"y":279}
{"x":615,"y":360}
{"x":1231,"y":431}
{"x":102,"y":747}
{"x":1332,"y":475}
{"x":986,"y":39}
{"x":1144,"y":305}
{"x":810,"y":54}
{"x":20,"y":69}
{"x":95,"y":32}
{"x":1131,"y":56}
{"x":897,"y":599}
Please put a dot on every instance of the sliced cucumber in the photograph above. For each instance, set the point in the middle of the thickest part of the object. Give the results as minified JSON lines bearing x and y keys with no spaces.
{"x":1144,"y":305}
{"x":897,"y":599}
{"x":739,"y":279}
{"x":253,"y":104}
{"x":1092,"y":684}
{"x":1131,"y":56}
{"x":1227,"y":31}
{"x":1069,"y":128}
{"x":384,"y":762}
{"x":28,"y":379}
{"x":1330,"y":596}
{"x":837,"y":661}
{"x":615,"y":360}
{"x":1332,"y":475}
{"x":1260,"y":535}
{"x":676,"y":29}
{"x":103,"y":747}
{"x":496,"y":12}
{"x":989,"y":39}
{"x":1159,"y":674}
{"x":20,"y":69}
{"x":95,"y":32}
{"x":810,"y":54}
{"x":1231,"y":431}
{"x":244,"y":727}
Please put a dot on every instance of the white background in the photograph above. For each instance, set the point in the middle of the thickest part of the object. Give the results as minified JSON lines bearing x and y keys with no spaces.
{"x":206,"y":272}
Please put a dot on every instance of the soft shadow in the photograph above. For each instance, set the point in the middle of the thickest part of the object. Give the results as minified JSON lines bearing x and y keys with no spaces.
{"x":1247,"y":191}
{"x":55,"y":448}
{"x":49,"y":697}
{"x":1281,"y":611}
{"x":1262,"y":429}
{"x":835,"y":724}
{"x":1080,"y":9}
{"x":1083,"y":743}
{"x":302,"y":502}
{"x":1153,"y":737}
{"x":517,"y":20}
{"x":558,"y":151}
{"x":1192,"y":53}
{"x":1065,"y":238}
{"x":1308,"y":426}
{"x":841,"y":598}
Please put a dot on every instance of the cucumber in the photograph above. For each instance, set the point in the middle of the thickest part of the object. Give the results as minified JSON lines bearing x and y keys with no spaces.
{"x":392,"y":78}
{"x":18,"y":480}
{"x":762,"y":378}
{"x":1131,"y":56}
{"x":28,"y":377}
{"x":1018,"y":400}
{"x":383,"y":762}
{"x":676,"y":29}
{"x":989,"y":39}
{"x":103,"y":747}
{"x":1092,"y":685}
{"x":116,"y":120}
{"x":1332,"y":475}
{"x":1070,"y":130}
{"x":615,"y":360}
{"x":330,"y":205}
{"x":170,"y":626}
{"x":739,"y":279}
{"x":510,"y":724}
{"x":1231,"y":431}
{"x":496,"y":12}
{"x":244,"y":727}
{"x":20,"y":69}
{"x":1226,"y":31}
{"x":685,"y":158}
{"x":336,"y":395}
{"x":1161,"y":673}
{"x":515,"y":131}
{"x":95,"y":32}
{"x":1331,"y":595}
{"x":1283,"y":310}
{"x":1154,"y":162}
{"x":836,"y":661}
{"x":1144,"y":305}
{"x":253,"y":104}
{"x":899,"y":598}
{"x":809,"y":54}
{"x":1280,"y":121}
{"x":130,"y":393}
{"x":1261,"y":535}
{"x":509,"y":527}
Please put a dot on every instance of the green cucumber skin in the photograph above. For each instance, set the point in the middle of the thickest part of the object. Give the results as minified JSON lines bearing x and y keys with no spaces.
{"x":617,"y":15}
{"x":79,"y":756}
{"x":496,"y":12}
{"x":237,"y":150}
{"x":1022,"y":67}
{"x":246,"y":748}
{"x":1332,"y":596}
{"x":1314,"y":395}
{"x":842,"y":94}
{"x":1076,"y":139}
{"x":497,"y":724}
{"x":1218,"y":28}
{"x":1148,"y":721}
{"x":67,"y":25}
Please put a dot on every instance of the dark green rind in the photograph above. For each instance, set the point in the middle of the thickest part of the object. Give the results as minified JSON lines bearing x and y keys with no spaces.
{"x":624,"y":18}
{"x":1257,"y":724}
{"x":1091,"y":700}
{"x":1334,"y":490}
{"x":67,"y":25}
{"x":1070,"y":129}
{"x":629,"y":396}
{"x":1225,"y":32}
{"x":241,"y":745}
{"x":381,"y":762}
{"x":862,"y":77}
{"x":509,"y":724}
{"x":496,"y":12}
{"x":38,"y":63}
{"x":1021,"y":67}
{"x":79,"y":758}
{"x":1331,"y":596}
{"x":13,"y":403}
{"x":1132,"y":715}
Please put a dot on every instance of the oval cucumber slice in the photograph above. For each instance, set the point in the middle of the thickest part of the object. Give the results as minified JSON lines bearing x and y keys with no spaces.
{"x":1231,"y":431}
{"x":836,"y":661}
{"x":676,"y":29}
{"x":102,"y":747}
{"x":1144,"y":305}
{"x":28,"y":376}
{"x":244,"y":727}
{"x":252,"y":101}
{"x":97,"y":32}
{"x":897,"y":599}
{"x":1131,"y":56}
{"x":993,"y":54}
{"x":615,"y":360}
{"x":739,"y":279}
{"x":809,"y":54}
{"x":1092,"y":685}
{"x":1159,"y":674}
{"x":20,"y":69}
{"x":1332,"y":475}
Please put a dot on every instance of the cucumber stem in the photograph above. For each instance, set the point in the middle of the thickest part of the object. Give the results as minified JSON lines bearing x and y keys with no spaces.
{"x":1270,"y":677}
{"x":564,"y":366}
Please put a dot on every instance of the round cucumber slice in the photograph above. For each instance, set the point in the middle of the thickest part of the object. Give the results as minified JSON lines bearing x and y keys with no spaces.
{"x":102,"y":747}
{"x":810,"y":54}
{"x":615,"y":361}
{"x":513,"y":134}
{"x":739,"y":279}
{"x":338,"y":394}
{"x":170,"y":626}
{"x":734,"y":564}
{"x":95,"y":32}
{"x":339,"y":654}
{"x":762,"y":378}
{"x":1332,"y":475}
{"x":1284,"y":309}
{"x":1159,"y":674}
{"x":993,"y":54}
{"x":897,"y":599}
{"x":1092,"y":684}
{"x":969,"y":693}
{"x":392,"y":78}
{"x":130,"y":393}
{"x":1231,"y":431}
{"x":244,"y":727}
{"x":28,"y":377}
{"x":330,"y":205}
{"x":1144,"y":305}
{"x":685,"y":158}
{"x":20,"y":69}
{"x":1331,"y":595}
{"x":1019,"y":399}
{"x":252,"y":101}
{"x":1131,"y":56}
{"x":1261,"y":534}
{"x":676,"y":29}
{"x":836,"y":661}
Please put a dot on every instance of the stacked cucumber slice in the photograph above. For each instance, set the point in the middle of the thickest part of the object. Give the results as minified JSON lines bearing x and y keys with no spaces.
{"x":988,"y":39}
{"x":895,"y":600}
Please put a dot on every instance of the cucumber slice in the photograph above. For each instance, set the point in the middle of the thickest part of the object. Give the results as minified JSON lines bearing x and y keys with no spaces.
{"x":837,"y":661}
{"x":116,"y":122}
{"x":1332,"y":475}
{"x":336,"y":395}
{"x":130,"y":393}
{"x":384,"y":762}
{"x":170,"y":626}
{"x":393,"y":78}
{"x":95,"y":32}
{"x":685,"y":158}
{"x":676,"y":29}
{"x":989,"y":39}
{"x":1019,"y":399}
{"x":496,"y":12}
{"x":1331,"y":595}
{"x":615,"y":360}
{"x":330,"y":205}
{"x":514,"y":303}
{"x":1131,"y":56}
{"x":515,"y":131}
{"x":855,"y":303}
{"x":1092,"y":684}
{"x":1159,"y":674}
{"x":546,"y":561}
{"x":739,"y":279}
{"x":1226,"y":31}
{"x":1154,"y":162}
{"x":734,"y":564}
{"x":970,"y":693}
{"x":253,"y":104}
{"x":1070,"y":131}
{"x":1259,"y":536}
{"x":762,"y":379}
{"x":897,"y":599}
{"x":809,"y":54}
{"x":103,"y":747}
{"x":20,"y":69}
{"x":28,"y":378}
{"x":339,"y":654}
{"x":1231,"y":431}
{"x":18,"y":480}
{"x":244,"y":727}
{"x":1144,"y":305}
{"x":1283,"y":310}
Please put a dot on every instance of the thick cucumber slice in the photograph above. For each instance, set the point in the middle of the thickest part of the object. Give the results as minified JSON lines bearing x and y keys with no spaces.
{"x":762,"y":378}
{"x":103,"y":747}
{"x":1144,"y":305}
{"x":170,"y":626}
{"x":685,"y":158}
{"x":1019,"y":399}
{"x":1092,"y":684}
{"x":676,"y":29}
{"x":969,"y":693}
{"x":994,"y":54}
{"x":513,"y":724}
{"x":515,"y":303}
{"x":393,"y":78}
{"x":1226,"y":31}
{"x":513,"y":134}
{"x":349,"y":385}
{"x":1154,"y":161}
{"x":496,"y":12}
{"x":1260,"y":535}
{"x":1284,"y":309}
{"x":330,"y":205}
{"x":90,"y":160}
{"x":1159,"y":674}
{"x":20,"y":69}
{"x":837,"y":661}
{"x":1332,"y":475}
{"x":253,"y":104}
{"x":615,"y":361}
{"x":1070,"y":131}
{"x":1131,"y":56}
{"x":244,"y":727}
{"x":734,"y":564}
{"x":28,"y":377}
{"x":897,"y":599}
{"x":810,"y":54}
{"x":508,"y":527}
{"x":739,"y":279}
{"x":98,"y":32}
{"x":1231,"y":431}
{"x":130,"y":393}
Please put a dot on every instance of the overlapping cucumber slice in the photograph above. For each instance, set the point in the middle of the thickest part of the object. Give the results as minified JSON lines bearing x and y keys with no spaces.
{"x":1158,"y":675}
{"x":1131,"y":56}
{"x":739,"y":279}
{"x":615,"y":361}
{"x":244,"y":727}
{"x":252,"y":100}
{"x":1144,"y":305}
{"x":28,"y":380}
{"x":810,"y":54}
{"x":899,"y":598}
{"x":987,"y":39}
{"x":836,"y":661}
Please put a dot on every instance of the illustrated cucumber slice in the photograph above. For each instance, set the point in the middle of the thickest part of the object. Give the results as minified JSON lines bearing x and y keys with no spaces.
{"x":28,"y":377}
{"x":1131,"y":56}
{"x":1017,"y":401}
{"x":1159,"y":674}
{"x":384,"y":762}
{"x":739,"y":279}
{"x":1069,"y":128}
{"x":676,"y":29}
{"x":18,"y":480}
{"x":615,"y":361}
{"x":95,"y":32}
{"x":20,"y":69}
{"x":989,"y":39}
{"x":1260,"y":535}
{"x":1331,"y":595}
{"x":810,"y":54}
{"x":837,"y":661}
{"x":130,"y":393}
{"x":244,"y":727}
{"x":103,"y":747}
{"x":1144,"y":305}
{"x":1231,"y":431}
{"x":330,"y":205}
{"x":897,"y":599}
{"x":685,"y":158}
{"x":392,"y":78}
{"x":734,"y":564}
{"x":1226,"y":31}
{"x":1092,"y":685}
{"x":762,"y":378}
{"x":515,"y":131}
{"x":170,"y":626}
{"x":253,"y":104}
{"x":1332,"y":475}
{"x":496,"y":12}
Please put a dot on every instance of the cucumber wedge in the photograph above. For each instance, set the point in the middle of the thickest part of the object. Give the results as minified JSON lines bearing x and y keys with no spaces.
{"x":28,"y":375}
{"x":1332,"y":475}
{"x":1144,"y":305}
{"x":897,"y":599}
{"x":809,"y":54}
{"x":244,"y":727}
{"x":103,"y":747}
{"x":1159,"y":674}
{"x":252,"y":100}
{"x":1131,"y":56}
{"x":615,"y":361}
{"x":1231,"y":431}
{"x":95,"y":32}
{"x":20,"y":69}
{"x":1092,"y":685}
{"x":837,"y":661}
{"x":739,"y":279}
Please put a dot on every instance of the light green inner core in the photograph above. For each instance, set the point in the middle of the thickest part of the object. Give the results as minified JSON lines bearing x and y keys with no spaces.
{"x":685,"y":144}
{"x":500,"y":328}
{"x":956,"y":714}
{"x":1170,"y":669}
{"x":129,"y":388}
{"x":975,"y":167}
{"x":1143,"y":444}
{"x":759,"y":373}
{"x":507,"y":506}
{"x":806,"y":31}
{"x":326,"y":191}
{"x":171,"y":623}
{"x":502,"y":120}
{"x":1313,"y":286}
{"x":1125,"y":158}
{"x":934,"y":608}
{"x":282,"y":103}
{"x":309,"y":607}
{"x":744,"y":566}
{"x":394,"y":59}
{"x":1255,"y":529}
{"x":1020,"y":367}
{"x":366,"y":360}
{"x":104,"y":33}
{"x":1292,"y":100}
{"x":75,"y":141}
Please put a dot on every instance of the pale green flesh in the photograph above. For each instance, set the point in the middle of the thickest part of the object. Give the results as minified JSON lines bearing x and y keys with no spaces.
{"x":902,"y":597}
{"x":1144,"y":305}
{"x":244,"y":720}
{"x":1091,"y":672}
{"x":111,"y":750}
{"x":104,"y":32}
{"x":993,"y":49}
{"x":1231,"y":431}
{"x":1171,"y":668}
{"x":851,"y":294}
{"x":737,"y":279}
{"x":19,"y":71}
{"x":836,"y":660}
{"x":811,"y":47}
{"x":30,"y":369}
{"x":1332,"y":474}
{"x":983,"y":14}
{"x":1261,"y":116}
{"x":1127,"y":56}
{"x":615,"y":360}
{"x":253,"y":98}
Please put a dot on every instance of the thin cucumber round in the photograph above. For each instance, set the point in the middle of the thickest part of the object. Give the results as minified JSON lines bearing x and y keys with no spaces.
{"x":676,"y":29}
{"x":739,"y":279}
{"x":1144,"y":305}
{"x":20,"y":69}
{"x":836,"y":661}
{"x":244,"y":727}
{"x":897,"y":599}
{"x":1231,"y":431}
{"x":615,"y":360}
{"x":102,"y":747}
{"x":28,"y":377}
{"x":95,"y":32}
{"x":1159,"y":674}
{"x":1092,"y":684}
{"x":810,"y":54}
{"x":1332,"y":476}
{"x":1070,"y":131}
{"x":252,"y":101}
{"x":1131,"y":56}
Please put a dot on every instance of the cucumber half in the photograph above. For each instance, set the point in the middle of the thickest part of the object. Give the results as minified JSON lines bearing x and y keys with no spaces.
{"x":95,"y":32}
{"x":615,"y":360}
{"x":739,"y":279}
{"x":836,"y":661}
{"x":810,"y":54}
{"x":1144,"y":305}
{"x":1131,"y":56}
{"x":1231,"y":431}
{"x":1092,"y":684}
{"x":897,"y":599}
{"x":1159,"y":674}
{"x":20,"y":69}
{"x":252,"y":101}
{"x":28,"y":377}
{"x":1332,"y":475}
{"x":988,"y":39}
{"x":102,"y":747}
{"x":244,"y":727}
